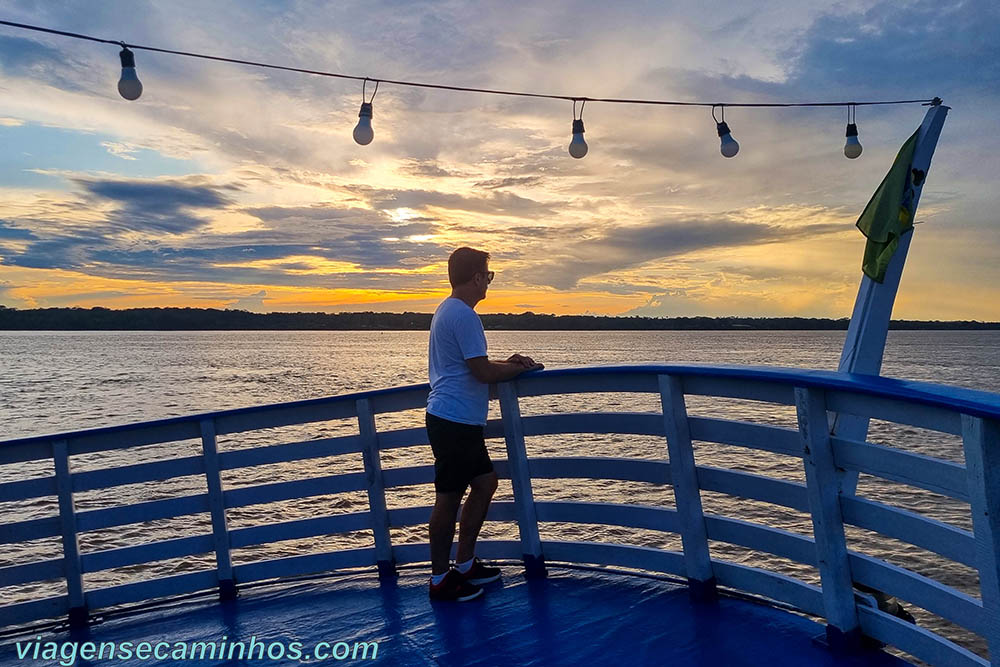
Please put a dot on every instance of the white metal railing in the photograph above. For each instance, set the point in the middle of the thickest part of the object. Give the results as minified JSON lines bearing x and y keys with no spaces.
{"x":975,"y":416}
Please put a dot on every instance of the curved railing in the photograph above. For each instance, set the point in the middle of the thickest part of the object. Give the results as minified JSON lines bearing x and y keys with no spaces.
{"x":975,"y":416}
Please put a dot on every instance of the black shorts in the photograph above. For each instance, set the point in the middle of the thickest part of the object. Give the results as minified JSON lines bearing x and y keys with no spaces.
{"x":460,"y":453}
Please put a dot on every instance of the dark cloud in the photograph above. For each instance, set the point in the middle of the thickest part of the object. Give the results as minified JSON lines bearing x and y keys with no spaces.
{"x":317,"y":213}
{"x":156,"y":206}
{"x":891,"y":50}
{"x":22,"y":55}
{"x":430,"y":169}
{"x":27,"y":58}
{"x":199,"y":264}
{"x":9,"y":232}
{"x":63,"y":252}
{"x":512,"y":181}
{"x":102,"y":248}
{"x":885,"y":51}
{"x":352,"y":235}
{"x":554,"y":231}
{"x":158,"y":197}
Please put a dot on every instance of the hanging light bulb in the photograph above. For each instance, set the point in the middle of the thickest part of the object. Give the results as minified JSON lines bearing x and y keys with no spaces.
{"x":730,"y":147}
{"x":852,"y":148}
{"x":363,"y":132}
{"x":129,"y":85}
{"x":578,"y":147}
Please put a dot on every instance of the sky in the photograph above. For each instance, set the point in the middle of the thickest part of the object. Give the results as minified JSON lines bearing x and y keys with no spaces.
{"x":226,"y":186}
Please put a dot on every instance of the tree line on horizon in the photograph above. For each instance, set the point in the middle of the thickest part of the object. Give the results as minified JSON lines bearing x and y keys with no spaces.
{"x":203,"y":319}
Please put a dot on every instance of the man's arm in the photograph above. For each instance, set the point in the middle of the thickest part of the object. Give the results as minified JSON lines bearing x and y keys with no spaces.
{"x":489,"y":372}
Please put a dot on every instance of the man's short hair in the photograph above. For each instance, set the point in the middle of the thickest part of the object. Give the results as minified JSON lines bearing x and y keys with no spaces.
{"x":464,"y":264}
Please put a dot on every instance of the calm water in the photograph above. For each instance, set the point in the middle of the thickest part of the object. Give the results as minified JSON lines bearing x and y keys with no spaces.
{"x":57,"y":381}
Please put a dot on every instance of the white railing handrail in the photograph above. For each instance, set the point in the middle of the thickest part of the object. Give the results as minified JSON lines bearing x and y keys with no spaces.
{"x":960,"y":399}
{"x":973,"y":415}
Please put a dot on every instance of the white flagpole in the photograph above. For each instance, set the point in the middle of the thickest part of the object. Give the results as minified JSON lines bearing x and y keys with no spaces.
{"x":869,"y":327}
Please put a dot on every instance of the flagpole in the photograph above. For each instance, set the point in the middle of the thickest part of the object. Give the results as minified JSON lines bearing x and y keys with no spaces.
{"x":869,"y":327}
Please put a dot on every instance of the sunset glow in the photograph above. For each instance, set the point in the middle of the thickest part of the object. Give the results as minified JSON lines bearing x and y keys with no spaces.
{"x":231,"y":187}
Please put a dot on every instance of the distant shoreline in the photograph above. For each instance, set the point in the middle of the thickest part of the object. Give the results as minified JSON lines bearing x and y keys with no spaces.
{"x":212,"y":319}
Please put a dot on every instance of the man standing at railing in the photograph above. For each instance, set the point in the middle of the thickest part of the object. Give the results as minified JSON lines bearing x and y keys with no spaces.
{"x":460,"y":375}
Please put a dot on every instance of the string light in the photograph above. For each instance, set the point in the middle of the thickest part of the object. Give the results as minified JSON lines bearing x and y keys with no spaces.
{"x":578,"y":147}
{"x":130,"y":88}
{"x":729,"y":146}
{"x":363,"y":132}
{"x":852,"y":149}
{"x":129,"y":85}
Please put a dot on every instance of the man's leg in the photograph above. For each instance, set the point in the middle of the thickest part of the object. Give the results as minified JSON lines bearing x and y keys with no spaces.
{"x":473,"y":515}
{"x":442,"y":529}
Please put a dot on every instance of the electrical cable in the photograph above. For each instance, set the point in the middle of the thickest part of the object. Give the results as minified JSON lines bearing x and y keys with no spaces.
{"x":489,"y":91}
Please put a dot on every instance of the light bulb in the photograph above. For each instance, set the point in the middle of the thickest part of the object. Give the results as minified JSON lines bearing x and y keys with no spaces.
{"x":363,"y":132}
{"x":852,"y":148}
{"x":578,"y":147}
{"x":729,"y":147}
{"x":129,"y":85}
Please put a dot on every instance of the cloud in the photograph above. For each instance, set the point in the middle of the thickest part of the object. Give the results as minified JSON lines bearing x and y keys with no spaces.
{"x":673,"y":303}
{"x":155,"y":206}
{"x":516,"y":233}
{"x":24,"y":57}
{"x":508,"y":182}
{"x":873,"y":51}
{"x":122,"y":236}
{"x":653,"y":186}
{"x":253,"y":302}
{"x":10,"y":232}
{"x":768,"y":273}
{"x":429,"y":169}
{"x":119,"y":149}
{"x":495,"y":203}
{"x":627,"y":247}
{"x":11,"y":301}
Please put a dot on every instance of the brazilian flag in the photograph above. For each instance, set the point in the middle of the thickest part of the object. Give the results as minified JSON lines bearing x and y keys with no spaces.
{"x":889,"y":213}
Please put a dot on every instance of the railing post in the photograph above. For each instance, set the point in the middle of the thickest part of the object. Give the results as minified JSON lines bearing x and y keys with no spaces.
{"x":520,"y":479}
{"x":217,"y":508}
{"x":687,"y":496}
{"x":981,"y":440}
{"x":70,"y":543}
{"x":376,"y":489}
{"x":823,"y":489}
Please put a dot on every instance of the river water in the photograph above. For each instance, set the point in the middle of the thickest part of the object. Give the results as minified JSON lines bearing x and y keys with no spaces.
{"x":60,"y":381}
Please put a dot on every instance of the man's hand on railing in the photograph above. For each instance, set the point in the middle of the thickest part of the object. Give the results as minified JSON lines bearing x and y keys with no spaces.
{"x":525,"y":361}
{"x":490,"y":372}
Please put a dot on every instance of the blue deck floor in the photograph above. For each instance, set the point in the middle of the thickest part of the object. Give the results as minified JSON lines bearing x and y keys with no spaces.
{"x":574,"y":617}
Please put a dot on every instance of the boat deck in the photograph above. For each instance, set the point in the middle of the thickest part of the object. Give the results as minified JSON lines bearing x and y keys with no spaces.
{"x":572,"y":617}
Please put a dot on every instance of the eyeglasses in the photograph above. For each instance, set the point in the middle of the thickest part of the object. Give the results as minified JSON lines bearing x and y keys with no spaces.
{"x":489,"y":276}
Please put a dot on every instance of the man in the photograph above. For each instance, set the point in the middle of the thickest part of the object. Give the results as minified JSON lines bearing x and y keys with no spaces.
{"x":460,"y":375}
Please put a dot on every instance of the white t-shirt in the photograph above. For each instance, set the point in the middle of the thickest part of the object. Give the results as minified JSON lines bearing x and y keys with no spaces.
{"x":456,"y":335}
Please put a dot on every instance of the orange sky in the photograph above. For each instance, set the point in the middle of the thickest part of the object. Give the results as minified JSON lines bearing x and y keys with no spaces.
{"x":230,"y":187}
